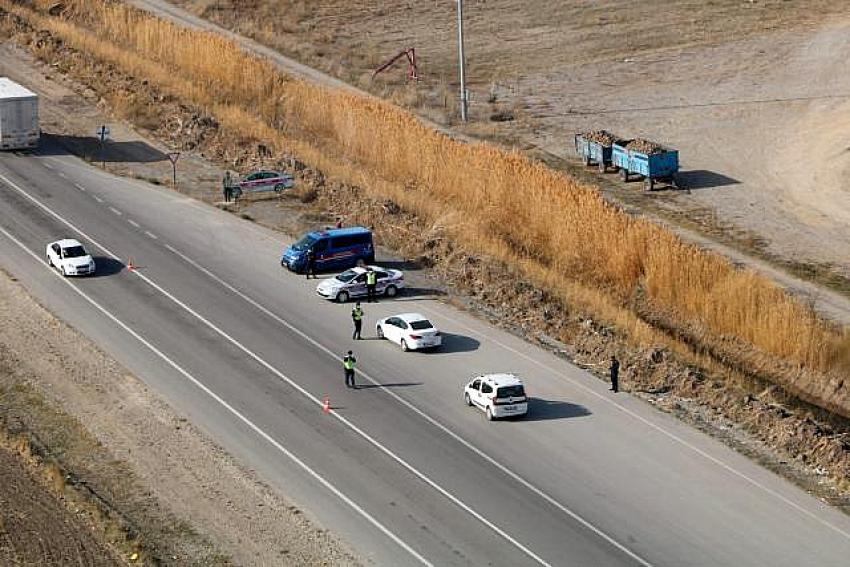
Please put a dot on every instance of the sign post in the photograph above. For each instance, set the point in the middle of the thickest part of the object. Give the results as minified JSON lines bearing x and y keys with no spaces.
{"x":173,"y":157}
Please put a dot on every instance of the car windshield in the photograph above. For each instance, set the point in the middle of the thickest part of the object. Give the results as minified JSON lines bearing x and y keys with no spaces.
{"x":420,"y":325}
{"x":347,"y":276}
{"x":510,"y":392}
{"x":304,"y":243}
{"x":74,"y":252}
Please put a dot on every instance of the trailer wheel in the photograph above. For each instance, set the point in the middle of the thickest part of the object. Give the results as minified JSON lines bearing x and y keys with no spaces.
{"x":624,"y":174}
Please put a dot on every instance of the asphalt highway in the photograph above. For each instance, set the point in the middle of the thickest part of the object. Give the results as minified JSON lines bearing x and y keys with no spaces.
{"x":401,"y":468}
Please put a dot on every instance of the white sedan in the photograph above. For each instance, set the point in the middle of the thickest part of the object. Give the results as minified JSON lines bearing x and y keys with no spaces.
{"x":411,"y":331}
{"x":70,"y":258}
{"x":352,"y":283}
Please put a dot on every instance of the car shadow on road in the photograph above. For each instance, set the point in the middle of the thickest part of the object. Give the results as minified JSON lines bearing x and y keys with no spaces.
{"x":455,"y":343}
{"x":389,"y":385}
{"x":418,"y":294}
{"x":403,"y":265}
{"x":107,"y":266}
{"x":542,"y":410}
{"x":90,"y":148}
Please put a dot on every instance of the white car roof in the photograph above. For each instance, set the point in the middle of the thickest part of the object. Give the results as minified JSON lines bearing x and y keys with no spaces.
{"x":361,"y":269}
{"x":410,"y":317}
{"x":67,"y":243}
{"x":502,"y":379}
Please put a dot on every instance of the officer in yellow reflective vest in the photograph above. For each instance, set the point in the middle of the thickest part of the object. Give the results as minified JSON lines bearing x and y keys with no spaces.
{"x":348,"y":364}
{"x":357,"y":317}
{"x":371,"y":284}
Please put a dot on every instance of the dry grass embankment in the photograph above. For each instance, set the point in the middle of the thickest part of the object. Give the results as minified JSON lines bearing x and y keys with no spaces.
{"x":561,"y":234}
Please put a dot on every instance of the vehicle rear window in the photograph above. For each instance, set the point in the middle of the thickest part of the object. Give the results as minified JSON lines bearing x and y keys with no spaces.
{"x":420,"y":325}
{"x":510,"y":392}
{"x":74,"y":252}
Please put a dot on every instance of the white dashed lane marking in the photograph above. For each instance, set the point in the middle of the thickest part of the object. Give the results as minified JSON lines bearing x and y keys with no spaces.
{"x":132,"y":222}
{"x":80,"y":187}
{"x":116,"y":211}
{"x":150,"y":234}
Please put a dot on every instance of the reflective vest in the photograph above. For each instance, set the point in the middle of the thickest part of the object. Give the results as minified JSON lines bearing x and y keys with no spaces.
{"x":348,"y":362}
{"x":371,"y":278}
{"x":357,"y":313}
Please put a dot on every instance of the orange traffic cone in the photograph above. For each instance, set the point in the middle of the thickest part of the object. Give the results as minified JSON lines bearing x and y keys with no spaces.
{"x":326,"y":405}
{"x":130,"y":266}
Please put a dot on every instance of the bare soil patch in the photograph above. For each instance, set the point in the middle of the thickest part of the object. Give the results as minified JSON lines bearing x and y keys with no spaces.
{"x":37,"y":528}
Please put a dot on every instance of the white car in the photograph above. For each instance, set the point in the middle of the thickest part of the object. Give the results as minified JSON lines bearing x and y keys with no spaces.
{"x":498,"y":395}
{"x":352,"y":283}
{"x":411,"y":331}
{"x":70,"y":258}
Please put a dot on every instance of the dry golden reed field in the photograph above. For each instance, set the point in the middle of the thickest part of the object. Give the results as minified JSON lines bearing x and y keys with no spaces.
{"x":562,"y":235}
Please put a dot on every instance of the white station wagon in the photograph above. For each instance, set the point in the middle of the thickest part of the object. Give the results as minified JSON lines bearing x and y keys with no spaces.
{"x":498,"y":395}
{"x":70,"y":258}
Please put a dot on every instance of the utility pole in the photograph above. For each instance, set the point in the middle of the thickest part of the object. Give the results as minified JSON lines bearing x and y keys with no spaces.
{"x":464,"y":96}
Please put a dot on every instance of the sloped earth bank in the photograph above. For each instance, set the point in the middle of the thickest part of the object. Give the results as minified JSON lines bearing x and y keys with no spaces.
{"x":36,"y":528}
{"x":797,"y":440}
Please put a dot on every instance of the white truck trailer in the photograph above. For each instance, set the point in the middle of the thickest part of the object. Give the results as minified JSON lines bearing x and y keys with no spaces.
{"x":18,"y":116}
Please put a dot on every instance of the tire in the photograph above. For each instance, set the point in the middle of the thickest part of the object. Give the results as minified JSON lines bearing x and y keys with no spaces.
{"x":62,"y":271}
{"x":49,"y":262}
{"x":379,"y":331}
{"x":279,"y":187}
{"x":467,"y":399}
{"x":391,"y":291}
{"x":488,"y":414}
{"x":624,"y":174}
{"x":404,"y":346}
{"x":342,"y":297}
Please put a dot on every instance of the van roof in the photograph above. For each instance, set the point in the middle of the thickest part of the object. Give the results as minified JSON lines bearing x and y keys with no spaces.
{"x":10,"y":90}
{"x":503,"y":379}
{"x":342,"y":231}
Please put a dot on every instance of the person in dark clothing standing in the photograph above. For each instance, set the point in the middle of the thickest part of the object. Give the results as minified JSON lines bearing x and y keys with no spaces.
{"x":357,"y":317}
{"x":226,"y":183}
{"x":348,"y":363}
{"x":615,"y":374}
{"x":371,"y":284}
{"x":310,"y":267}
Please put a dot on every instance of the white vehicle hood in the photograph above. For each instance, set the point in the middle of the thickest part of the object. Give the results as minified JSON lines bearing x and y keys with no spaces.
{"x":78,"y":262}
{"x":330,"y":284}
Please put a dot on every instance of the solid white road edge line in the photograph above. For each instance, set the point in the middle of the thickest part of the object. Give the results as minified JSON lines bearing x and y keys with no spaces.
{"x":271,"y":440}
{"x":374,"y":442}
{"x":669,"y":434}
{"x":445,"y":429}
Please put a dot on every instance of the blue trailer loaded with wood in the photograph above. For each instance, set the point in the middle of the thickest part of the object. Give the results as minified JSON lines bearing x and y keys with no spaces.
{"x":595,"y":148}
{"x":651,"y":161}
